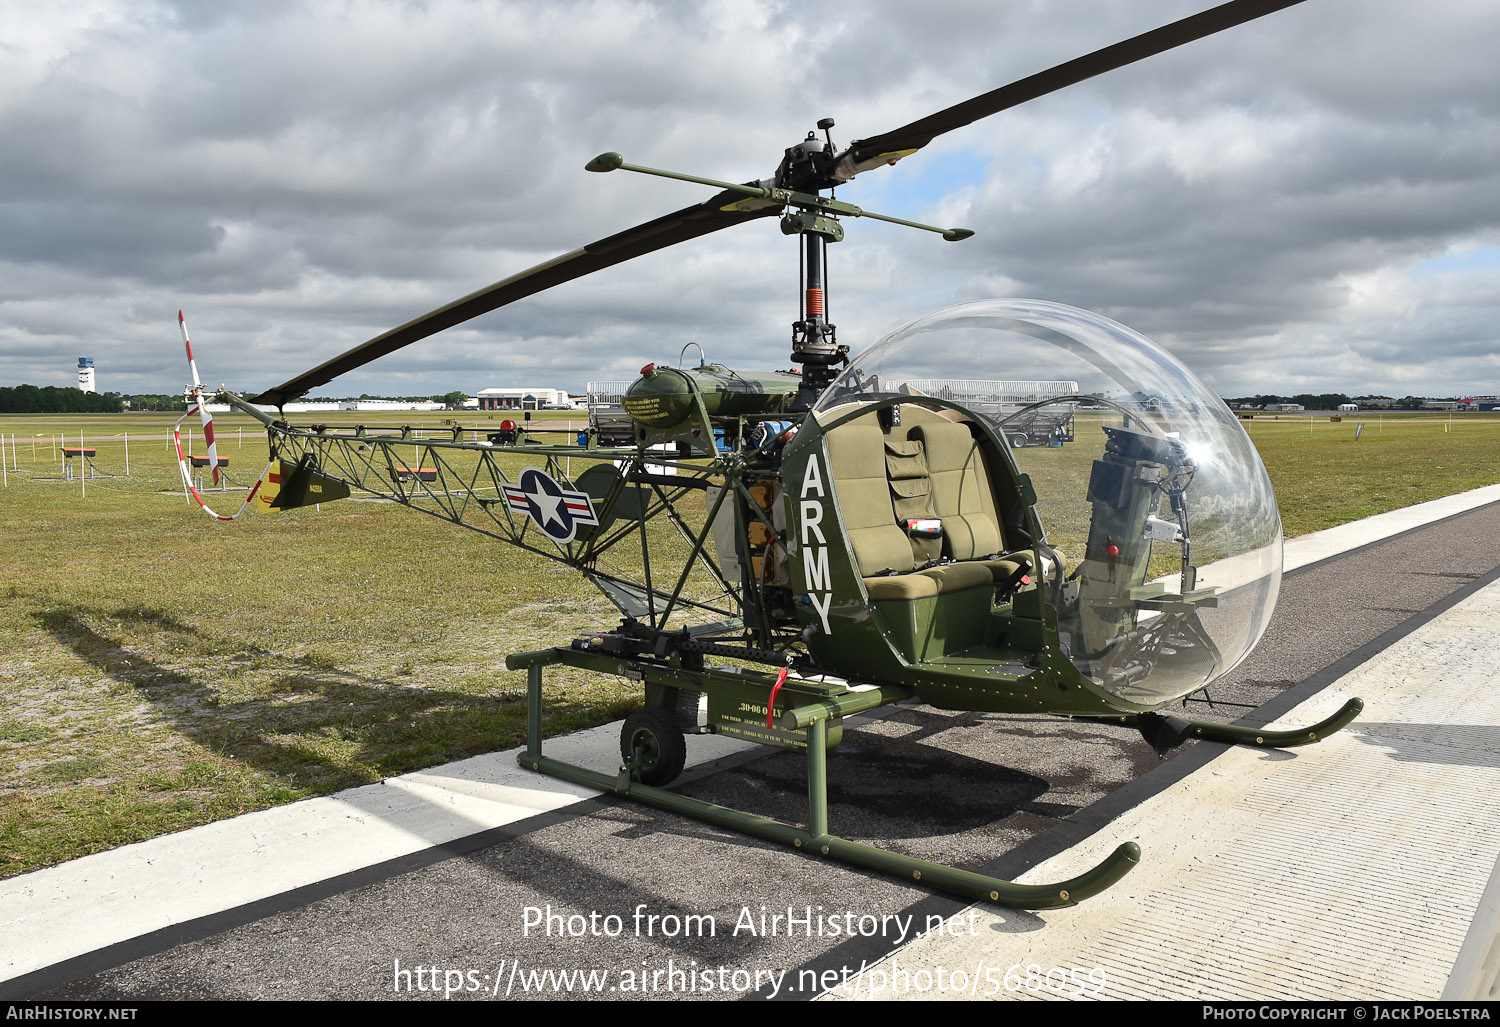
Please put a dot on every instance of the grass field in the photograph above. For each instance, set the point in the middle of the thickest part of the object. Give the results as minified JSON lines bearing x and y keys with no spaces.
{"x":163,"y":670}
{"x":1323,"y":476}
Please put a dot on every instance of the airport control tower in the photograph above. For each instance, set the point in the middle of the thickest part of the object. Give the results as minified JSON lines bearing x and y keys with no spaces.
{"x":86,"y":374}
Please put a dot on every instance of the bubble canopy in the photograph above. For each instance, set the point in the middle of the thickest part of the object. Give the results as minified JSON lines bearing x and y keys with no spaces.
{"x":1149,"y":491}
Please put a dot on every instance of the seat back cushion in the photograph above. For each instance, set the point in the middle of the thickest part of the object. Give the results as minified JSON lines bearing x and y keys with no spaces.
{"x":856,"y":458}
{"x":961,"y":492}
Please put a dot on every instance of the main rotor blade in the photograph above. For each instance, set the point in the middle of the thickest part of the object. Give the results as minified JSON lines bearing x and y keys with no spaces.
{"x":721,"y":211}
{"x":730,"y":208}
{"x":891,"y":146}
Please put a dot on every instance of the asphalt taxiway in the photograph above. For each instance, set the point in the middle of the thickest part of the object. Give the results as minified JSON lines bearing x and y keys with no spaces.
{"x":478,"y":880}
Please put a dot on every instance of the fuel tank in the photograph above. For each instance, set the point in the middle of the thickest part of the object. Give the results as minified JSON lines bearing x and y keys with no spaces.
{"x":665,"y":399}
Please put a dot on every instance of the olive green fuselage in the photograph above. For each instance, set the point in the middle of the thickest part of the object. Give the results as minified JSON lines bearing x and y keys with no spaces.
{"x":958,"y":649}
{"x":927,"y":616}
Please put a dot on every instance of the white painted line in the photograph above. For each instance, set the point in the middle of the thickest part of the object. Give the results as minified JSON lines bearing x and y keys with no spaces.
{"x":1319,"y":545}
{"x":1346,"y":869}
{"x":64,"y":911}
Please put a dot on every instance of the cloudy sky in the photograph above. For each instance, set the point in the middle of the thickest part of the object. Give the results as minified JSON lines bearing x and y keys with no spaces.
{"x":1310,"y":202}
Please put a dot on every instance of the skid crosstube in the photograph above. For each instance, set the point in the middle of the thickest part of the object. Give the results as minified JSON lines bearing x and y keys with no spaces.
{"x":813,"y":715}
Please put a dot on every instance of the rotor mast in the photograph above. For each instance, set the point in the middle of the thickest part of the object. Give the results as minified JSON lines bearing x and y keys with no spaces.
{"x":805,"y":170}
{"x":815,"y":342}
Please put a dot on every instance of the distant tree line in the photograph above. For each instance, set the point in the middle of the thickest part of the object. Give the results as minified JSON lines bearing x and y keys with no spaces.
{"x":156,"y":401}
{"x":51,"y":399}
{"x":1331,"y":401}
{"x":1325,"y":401}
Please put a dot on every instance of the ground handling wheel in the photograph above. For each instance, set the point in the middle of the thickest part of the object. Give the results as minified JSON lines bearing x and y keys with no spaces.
{"x":653,"y":746}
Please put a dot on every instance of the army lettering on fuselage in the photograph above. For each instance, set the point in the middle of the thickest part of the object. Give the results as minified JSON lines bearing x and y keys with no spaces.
{"x":817,"y":581}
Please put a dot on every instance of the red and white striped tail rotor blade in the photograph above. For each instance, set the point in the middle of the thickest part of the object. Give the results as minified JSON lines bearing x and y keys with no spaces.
{"x":200,"y":404}
{"x":201,"y":401}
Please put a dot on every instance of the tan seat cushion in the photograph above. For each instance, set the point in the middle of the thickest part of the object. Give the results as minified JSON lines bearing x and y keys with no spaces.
{"x":962,"y":495}
{"x":901,"y":586}
{"x":953,"y":577}
{"x":871,"y":473}
{"x":911,"y":494}
{"x":941,"y":580}
{"x":856,"y":457}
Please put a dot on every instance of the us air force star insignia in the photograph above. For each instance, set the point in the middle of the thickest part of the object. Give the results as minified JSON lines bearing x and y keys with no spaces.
{"x":551,"y":507}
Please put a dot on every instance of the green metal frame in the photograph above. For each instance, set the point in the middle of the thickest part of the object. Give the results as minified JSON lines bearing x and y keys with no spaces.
{"x":814,"y":714}
{"x":466,"y":489}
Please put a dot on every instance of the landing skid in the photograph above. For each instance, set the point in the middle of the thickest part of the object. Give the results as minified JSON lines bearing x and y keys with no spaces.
{"x":806,"y":726}
{"x":1236,"y":735}
{"x":1166,"y":732}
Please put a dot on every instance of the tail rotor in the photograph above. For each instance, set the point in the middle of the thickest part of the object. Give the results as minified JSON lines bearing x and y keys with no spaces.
{"x":198,"y":403}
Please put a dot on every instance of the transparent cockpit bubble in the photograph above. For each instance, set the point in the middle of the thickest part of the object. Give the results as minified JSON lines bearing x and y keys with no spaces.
{"x":1149,"y":492}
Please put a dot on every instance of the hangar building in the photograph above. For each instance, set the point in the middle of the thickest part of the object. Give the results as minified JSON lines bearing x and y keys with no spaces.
{"x":523,"y":399}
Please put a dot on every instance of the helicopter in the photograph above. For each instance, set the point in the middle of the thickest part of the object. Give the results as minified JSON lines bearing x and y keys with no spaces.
{"x":789,"y":548}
